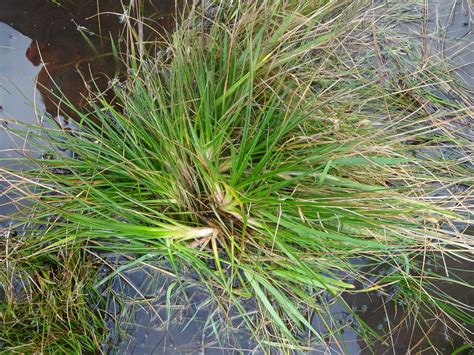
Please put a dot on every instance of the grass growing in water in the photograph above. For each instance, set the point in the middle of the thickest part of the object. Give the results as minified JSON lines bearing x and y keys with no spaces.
{"x":47,"y":303}
{"x":231,"y":154}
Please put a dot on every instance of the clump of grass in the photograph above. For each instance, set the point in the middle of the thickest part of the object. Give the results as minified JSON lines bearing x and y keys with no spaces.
{"x":231,"y":154}
{"x":47,"y":305}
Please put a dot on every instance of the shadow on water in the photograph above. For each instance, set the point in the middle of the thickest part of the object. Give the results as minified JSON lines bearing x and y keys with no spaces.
{"x":66,"y":49}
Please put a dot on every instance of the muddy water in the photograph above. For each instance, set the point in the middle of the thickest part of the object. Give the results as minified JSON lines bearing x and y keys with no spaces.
{"x":45,"y":49}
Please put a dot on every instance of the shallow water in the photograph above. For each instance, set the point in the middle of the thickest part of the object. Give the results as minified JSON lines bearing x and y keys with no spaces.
{"x":54,"y":47}
{"x":454,"y":21}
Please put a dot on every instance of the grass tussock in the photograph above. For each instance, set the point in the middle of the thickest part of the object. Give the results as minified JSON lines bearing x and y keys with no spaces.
{"x":47,"y":305}
{"x":259,"y":152}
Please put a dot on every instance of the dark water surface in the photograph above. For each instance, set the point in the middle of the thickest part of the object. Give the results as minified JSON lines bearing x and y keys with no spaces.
{"x":46,"y":49}
{"x":71,"y":44}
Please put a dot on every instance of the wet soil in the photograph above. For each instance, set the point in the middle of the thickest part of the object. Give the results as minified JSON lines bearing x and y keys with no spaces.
{"x":46,"y":49}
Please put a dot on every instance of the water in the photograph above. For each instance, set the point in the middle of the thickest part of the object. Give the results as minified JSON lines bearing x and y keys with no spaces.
{"x":454,"y":23}
{"x":403,"y":332}
{"x":70,"y":45}
{"x":17,"y":94}
{"x":146,"y":322}
{"x":45,"y":49}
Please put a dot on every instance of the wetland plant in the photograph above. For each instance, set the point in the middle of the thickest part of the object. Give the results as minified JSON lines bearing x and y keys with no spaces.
{"x":262,"y":151}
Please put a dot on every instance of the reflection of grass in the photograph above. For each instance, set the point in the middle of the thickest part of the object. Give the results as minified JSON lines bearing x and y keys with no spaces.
{"x":249,"y":154}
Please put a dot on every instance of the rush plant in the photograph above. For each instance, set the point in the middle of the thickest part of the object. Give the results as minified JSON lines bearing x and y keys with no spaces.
{"x":249,"y":153}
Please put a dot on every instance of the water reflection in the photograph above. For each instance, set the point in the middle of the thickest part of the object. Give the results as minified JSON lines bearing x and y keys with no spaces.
{"x":405,"y":330}
{"x":72,"y":43}
{"x":17,"y":77}
{"x":143,"y":321}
